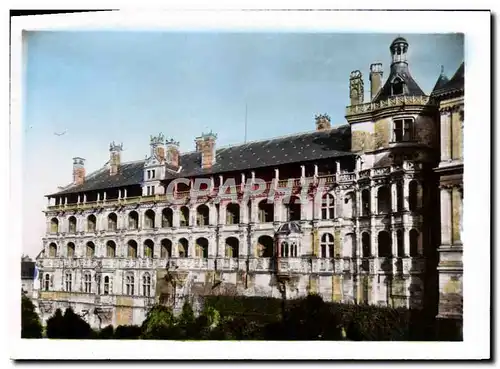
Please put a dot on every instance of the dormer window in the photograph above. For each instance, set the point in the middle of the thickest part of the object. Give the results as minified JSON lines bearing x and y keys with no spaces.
{"x":397,"y":87}
{"x":403,"y":130}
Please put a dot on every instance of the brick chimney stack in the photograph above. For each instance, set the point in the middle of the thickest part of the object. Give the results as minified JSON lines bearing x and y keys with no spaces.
{"x":323,"y":122}
{"x":78,"y":171}
{"x":172,"y":149}
{"x":206,"y":145}
{"x":376,"y":74}
{"x":114,"y":158}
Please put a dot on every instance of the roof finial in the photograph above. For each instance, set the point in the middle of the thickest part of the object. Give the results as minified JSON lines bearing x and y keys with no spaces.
{"x":442,"y":69}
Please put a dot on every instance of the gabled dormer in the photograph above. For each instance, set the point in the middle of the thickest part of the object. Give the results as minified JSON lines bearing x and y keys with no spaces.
{"x":154,"y":167}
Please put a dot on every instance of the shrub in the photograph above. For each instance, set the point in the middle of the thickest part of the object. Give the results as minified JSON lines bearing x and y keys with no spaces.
{"x":30,"y":321}
{"x":106,"y":333}
{"x":68,"y":326}
{"x":158,"y":323}
{"x":127,"y":332}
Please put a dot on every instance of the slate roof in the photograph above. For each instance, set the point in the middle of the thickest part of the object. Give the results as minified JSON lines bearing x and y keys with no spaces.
{"x":455,"y":84}
{"x":27,"y":269}
{"x":412,"y":86}
{"x":257,"y":154}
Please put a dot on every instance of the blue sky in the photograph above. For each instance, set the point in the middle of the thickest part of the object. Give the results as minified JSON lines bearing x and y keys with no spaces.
{"x":125,"y":86}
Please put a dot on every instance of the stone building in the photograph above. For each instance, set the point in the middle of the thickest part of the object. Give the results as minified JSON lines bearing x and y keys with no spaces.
{"x":450,"y":96}
{"x":348,"y":212}
{"x":27,"y":276}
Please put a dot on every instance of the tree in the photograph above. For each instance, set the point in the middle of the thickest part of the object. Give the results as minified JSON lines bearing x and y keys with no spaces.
{"x":55,"y":325}
{"x":69,"y":325}
{"x":30,"y":321}
{"x":158,"y":323}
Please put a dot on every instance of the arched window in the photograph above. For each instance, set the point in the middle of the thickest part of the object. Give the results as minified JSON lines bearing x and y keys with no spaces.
{"x":327,"y":246}
{"x":146,"y":285}
{"x":284,"y":249}
{"x":54,"y":225}
{"x":129,"y":285}
{"x":183,"y":248}
{"x":384,"y":244}
{"x":110,"y":249}
{"x":132,"y":249}
{"x":133,"y":220}
{"x":107,"y":285}
{"x":166,"y":249}
{"x":401,"y":247}
{"x":328,"y":207}
{"x":202,"y":215}
{"x":87,"y":282}
{"x":52,"y":250}
{"x":413,"y":195}
{"x":397,"y":87}
{"x":232,"y":214}
{"x":70,"y":250}
{"x":91,"y":223}
{"x":414,"y":243}
{"x":90,"y":249}
{"x":149,"y":219}
{"x":293,"y":209}
{"x":400,"y":195}
{"x":112,"y":222}
{"x":46,"y":282}
{"x":202,"y":248}
{"x":167,"y":217}
{"x":366,"y":245}
{"x":68,"y":281}
{"x":365,"y":203}
{"x":148,"y":248}
{"x":383,"y":200}
{"x":266,"y":212}
{"x":184,"y":216}
{"x":232,"y":247}
{"x":72,"y":224}
{"x":293,"y":250}
{"x":265,"y":246}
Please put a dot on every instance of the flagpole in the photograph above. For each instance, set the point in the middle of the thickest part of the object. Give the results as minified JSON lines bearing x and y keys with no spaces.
{"x":246,"y":111}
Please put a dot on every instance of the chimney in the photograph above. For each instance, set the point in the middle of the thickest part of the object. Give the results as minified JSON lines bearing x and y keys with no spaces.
{"x":356,"y":88}
{"x":376,"y":74}
{"x":157,"y":148}
{"x":206,"y":145}
{"x":78,"y":171}
{"x":172,"y":156}
{"x":323,"y":122}
{"x":114,"y":158}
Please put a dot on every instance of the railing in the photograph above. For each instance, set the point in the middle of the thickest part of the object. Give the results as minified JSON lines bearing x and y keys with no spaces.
{"x":392,"y":101}
{"x":326,"y":180}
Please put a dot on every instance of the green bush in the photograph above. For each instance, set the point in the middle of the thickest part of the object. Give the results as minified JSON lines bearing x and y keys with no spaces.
{"x":30,"y":321}
{"x":68,"y":326}
{"x":107,"y":333}
{"x":127,"y":332}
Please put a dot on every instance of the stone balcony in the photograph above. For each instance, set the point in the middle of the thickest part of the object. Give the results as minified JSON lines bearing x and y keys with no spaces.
{"x":390,"y":102}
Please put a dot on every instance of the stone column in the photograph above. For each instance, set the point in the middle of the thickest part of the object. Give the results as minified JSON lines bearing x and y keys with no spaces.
{"x":456,"y":203}
{"x":394,"y":242}
{"x":394,"y":197}
{"x":373,"y":199}
{"x":406,"y":241}
{"x":445,"y":216}
{"x":445,"y":136}
{"x":406,"y":194}
{"x":176,"y":216}
{"x":158,"y":218}
{"x":373,"y":241}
